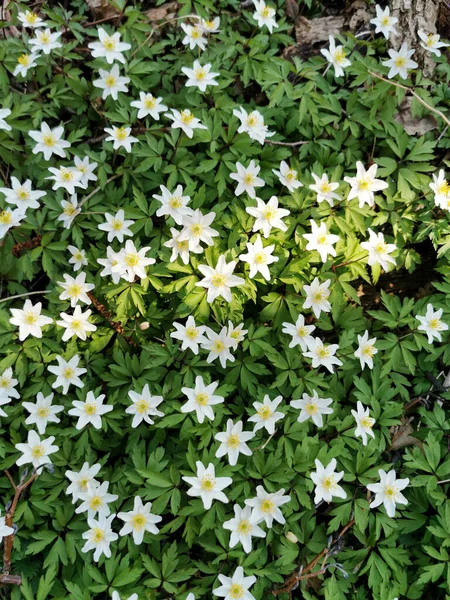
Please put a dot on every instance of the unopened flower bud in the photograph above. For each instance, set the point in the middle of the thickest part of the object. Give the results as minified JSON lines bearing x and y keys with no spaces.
{"x":291,"y":537}
{"x":143,"y":326}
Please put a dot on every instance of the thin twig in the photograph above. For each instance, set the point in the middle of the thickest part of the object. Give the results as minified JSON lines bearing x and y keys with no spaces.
{"x":148,"y":38}
{"x":416,"y":96}
{"x":98,"y":189}
{"x":24,"y":295}
{"x":291,"y":144}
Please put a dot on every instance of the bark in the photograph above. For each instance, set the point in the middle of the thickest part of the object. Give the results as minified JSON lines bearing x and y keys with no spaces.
{"x":413,"y":15}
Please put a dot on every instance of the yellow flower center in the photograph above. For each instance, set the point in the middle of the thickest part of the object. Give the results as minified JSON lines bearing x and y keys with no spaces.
{"x":236,"y":334}
{"x":109,"y":44}
{"x":49,"y":140}
{"x":208,"y":482}
{"x":218,"y":280}
{"x":202,"y":399}
{"x":233,"y":441}
{"x":367,"y":422}
{"x":385,"y":21}
{"x":200,"y":74}
{"x":74,"y":290}
{"x":329,"y":483}
{"x":4,"y":383}
{"x":323,"y":353}
{"x":435,"y":324}
{"x":96,"y":502}
{"x":249,"y":179}
{"x":264,"y":412}
{"x":443,"y":188}
{"x":191,"y":333}
{"x":291,"y":175}
{"x":265,"y":12}
{"x":110,"y":80}
{"x":139,"y":522}
{"x":325,"y":188}
{"x":432,"y":39}
{"x":400,"y":61}
{"x":43,"y":412}
{"x":186,"y":117}
{"x":149,"y":102}
{"x":117,"y":225}
{"x":30,"y":17}
{"x":244,"y":527}
{"x":260,"y":258}
{"x":175,"y":202}
{"x":267,"y":506}
{"x":24,"y":60}
{"x":390,"y":491}
{"x":132,"y":259}
{"x":97,"y":535}
{"x":269,"y":213}
{"x":236,"y":591}
{"x":196,"y":33}
{"x":5,"y":217}
{"x":44,"y":37}
{"x":22,"y":194}
{"x":68,"y":373}
{"x":69,"y":210}
{"x":142,"y":406}
{"x":66,"y":174}
{"x":83,"y":483}
{"x":90,"y":408}
{"x":209,"y":24}
{"x":38,"y":451}
{"x":76,"y":325}
{"x":218,"y":346}
{"x":183,"y":246}
{"x":30,"y":318}
{"x":339,"y":55}
{"x":368,"y":350}
{"x":364,"y":184}
{"x":311,"y":408}
{"x":78,"y":256}
{"x":302,"y":331}
{"x":121,"y":134}
{"x":252,"y":120}
{"x":322,"y":239}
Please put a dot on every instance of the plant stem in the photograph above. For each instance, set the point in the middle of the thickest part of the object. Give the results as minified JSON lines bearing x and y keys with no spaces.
{"x":24,"y":295}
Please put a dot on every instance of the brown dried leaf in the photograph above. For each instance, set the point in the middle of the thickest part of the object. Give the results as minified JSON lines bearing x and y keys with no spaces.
{"x":292,"y":9}
{"x":414,"y":125}
{"x":166,"y":11}
{"x":401,"y":435}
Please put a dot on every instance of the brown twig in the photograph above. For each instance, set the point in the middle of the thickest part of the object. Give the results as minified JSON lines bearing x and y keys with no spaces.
{"x":5,"y":577}
{"x":19,"y":248}
{"x":290,"y":144}
{"x":107,"y":315}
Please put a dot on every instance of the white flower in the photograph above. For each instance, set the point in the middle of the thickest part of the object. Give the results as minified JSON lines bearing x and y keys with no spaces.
{"x":219,"y":345}
{"x":366,"y":350}
{"x":431,"y":42}
{"x":313,"y":407}
{"x":322,"y":355}
{"x":219,"y":280}
{"x":185,"y":121}
{"x":148,"y":105}
{"x":379,"y":251}
{"x":30,"y":19}
{"x":49,"y":141}
{"x":383,"y":22}
{"x":90,"y":411}
{"x":233,"y":442}
{"x":8,"y":384}
{"x":181,"y":247}
{"x":5,"y":530}
{"x":247,"y":179}
{"x":266,"y":414}
{"x":400,"y":62}
{"x":76,"y":324}
{"x":197,"y":228}
{"x":301,"y":333}
{"x":320,"y":240}
{"x":210,"y":27}
{"x":116,"y":226}
{"x":36,"y":451}
{"x":253,"y":125}
{"x":4,"y":112}
{"x":116,"y":595}
{"x":268,"y":216}
{"x":288,"y":176}
{"x":138,"y":521}
{"x":21,"y":194}
{"x":364,"y":184}
{"x":259,"y":258}
{"x":78,"y":258}
{"x":42,"y":412}
{"x":324,"y":189}
{"x":95,"y":500}
{"x":24,"y":63}
{"x":121,"y":136}
{"x":194,"y":36}
{"x":441,"y":189}
{"x":111,"y":260}
{"x":4,"y":400}
{"x":388,"y":491}
{"x":236,"y":334}
{"x":243,"y":527}
{"x":46,"y":41}
{"x":431,"y":323}
{"x":75,"y":289}
{"x":207,"y":486}
{"x":326,"y":482}
{"x":264,"y":15}
{"x":111,"y":83}
{"x":143,"y":406}
{"x":70,"y":211}
{"x":9,"y":218}
{"x":99,"y":537}
{"x":200,"y":399}
{"x":191,"y":335}
{"x":174,"y":204}
{"x":86,"y":169}
{"x":336,"y":56}
{"x":132,"y":262}
{"x":200,"y":76}
{"x":29,"y":320}
{"x":364,"y":423}
{"x":266,"y":506}
{"x":67,"y":373}
{"x":65,"y":177}
{"x":109,"y":47}
{"x":82,"y":481}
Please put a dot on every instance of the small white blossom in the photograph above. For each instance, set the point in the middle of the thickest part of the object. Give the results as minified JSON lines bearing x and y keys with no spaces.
{"x":441,"y":189}
{"x":243,"y":527}
{"x":200,"y":76}
{"x":181,"y":247}
{"x":67,"y":373}
{"x":320,"y":240}
{"x":259,"y":258}
{"x":197,"y":228}
{"x":36,"y":451}
{"x":300,"y":332}
{"x":266,"y":414}
{"x":86,"y":169}
{"x":191,"y":335}
{"x":364,"y":422}
{"x":200,"y":399}
{"x":5,"y":530}
{"x":30,"y":19}
{"x":78,"y":258}
{"x":76,"y":324}
{"x":99,"y":537}
{"x":42,"y":412}
{"x":9,"y":218}
{"x":111,"y":83}
{"x":379,"y":251}
{"x":194,"y":36}
{"x":268,"y":216}
{"x":24,"y":63}
{"x":121,"y":136}
{"x":46,"y":41}
{"x":324,"y":189}
{"x":288,"y":176}
{"x":109,"y":47}
{"x":90,"y":411}
{"x":29,"y":320}
{"x":211,"y":26}
{"x":336,"y":56}
{"x":132,"y":262}
{"x":207,"y":486}
{"x":383,"y":22}
{"x":326,"y":481}
{"x":233,"y":442}
{"x":116,"y":226}
{"x":431,"y":324}
{"x":21,"y":194}
{"x":266,"y":506}
{"x":185,"y":121}
{"x":111,"y":260}
{"x":70,"y":211}
{"x":5,"y":112}
{"x":400,"y":62}
{"x":95,"y":500}
{"x":323,"y":355}
{"x":143,"y":406}
{"x":138,"y":521}
{"x":219,"y":280}
{"x":236,"y":334}
{"x":67,"y":178}
{"x":364,"y":184}
{"x":247,"y":179}
{"x":366,"y":350}
{"x":313,"y":407}
{"x":82,"y":481}
{"x":8,"y":385}
{"x":264,"y":15}
{"x":148,"y":105}
{"x":431,"y":42}
{"x":173,"y":204}
{"x":388,"y":492}
{"x":49,"y":141}
{"x":75,"y":289}
{"x":253,"y":125}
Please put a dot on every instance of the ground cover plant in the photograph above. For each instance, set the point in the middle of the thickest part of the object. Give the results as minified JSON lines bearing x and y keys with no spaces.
{"x":224,"y":305}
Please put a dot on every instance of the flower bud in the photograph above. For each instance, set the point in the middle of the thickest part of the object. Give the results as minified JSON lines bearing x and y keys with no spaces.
{"x":143,"y":326}
{"x":291,"y":537}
